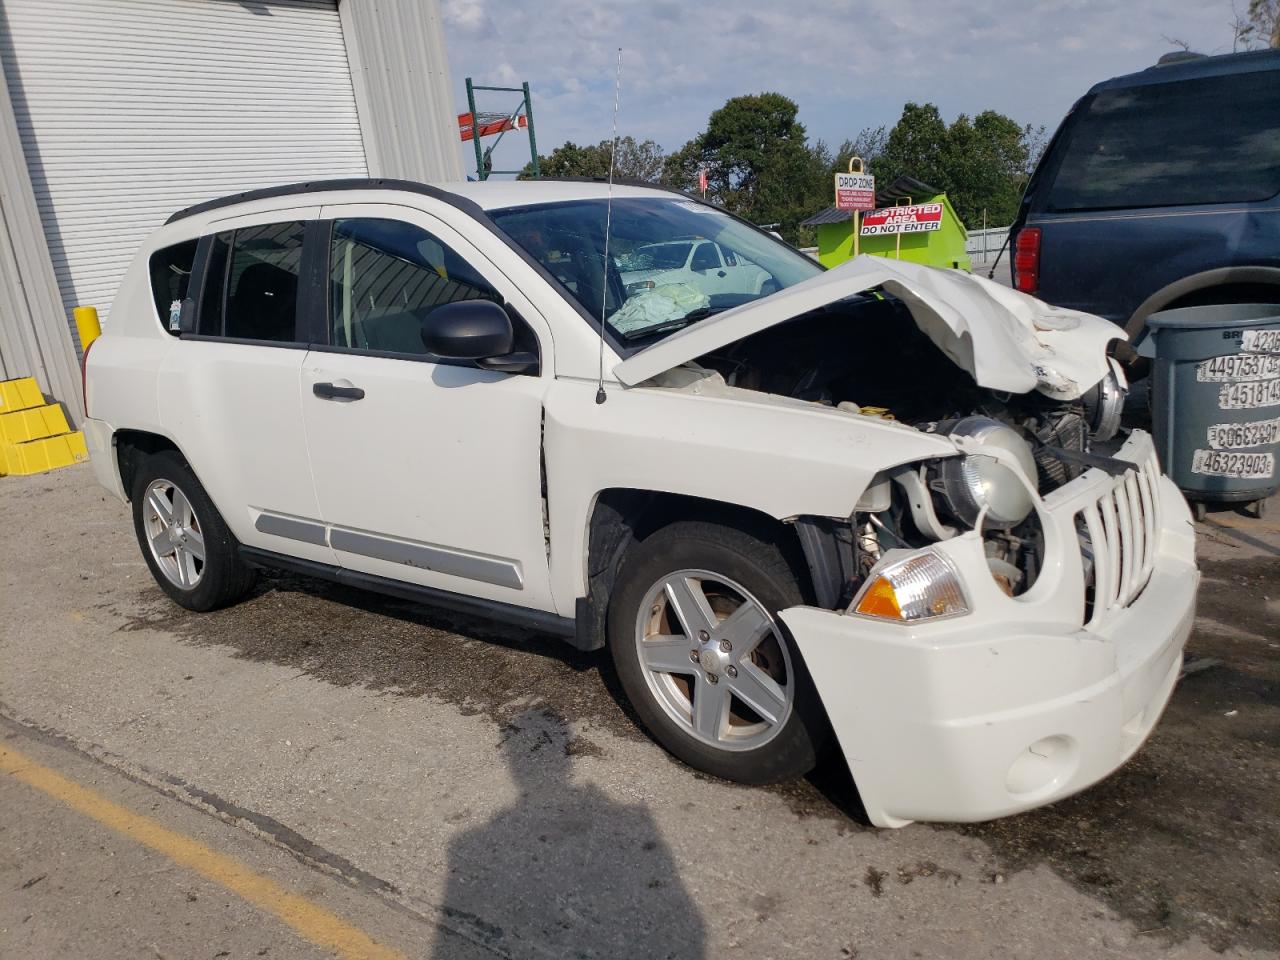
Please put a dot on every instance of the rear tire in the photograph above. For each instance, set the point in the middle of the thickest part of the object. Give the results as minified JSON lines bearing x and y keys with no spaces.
{"x":746,"y":708}
{"x":184,"y":540}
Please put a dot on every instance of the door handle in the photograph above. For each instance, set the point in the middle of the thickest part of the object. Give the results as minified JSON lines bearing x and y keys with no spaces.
{"x":329,"y":391}
{"x":719,"y":273}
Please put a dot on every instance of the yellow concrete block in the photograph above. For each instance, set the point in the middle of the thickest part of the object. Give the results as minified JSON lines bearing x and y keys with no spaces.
{"x":19,"y":394}
{"x":34,"y":424}
{"x":37,"y":456}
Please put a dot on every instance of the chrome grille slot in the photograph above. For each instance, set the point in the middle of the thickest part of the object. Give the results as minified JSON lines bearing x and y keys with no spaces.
{"x":1118,"y":539}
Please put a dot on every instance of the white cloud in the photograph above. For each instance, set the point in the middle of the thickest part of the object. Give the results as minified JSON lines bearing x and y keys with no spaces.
{"x":847,"y":64}
{"x":464,"y":16}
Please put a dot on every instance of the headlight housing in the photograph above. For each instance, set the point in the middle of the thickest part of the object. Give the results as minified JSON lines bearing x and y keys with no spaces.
{"x":1104,"y":402}
{"x":922,"y":586}
{"x":973,"y":483}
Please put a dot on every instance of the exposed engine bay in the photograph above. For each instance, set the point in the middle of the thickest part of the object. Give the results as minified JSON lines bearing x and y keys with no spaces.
{"x":866,"y":354}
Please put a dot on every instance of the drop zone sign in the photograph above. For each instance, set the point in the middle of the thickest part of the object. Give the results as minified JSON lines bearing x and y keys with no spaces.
{"x":914,"y":218}
{"x":855,"y":191}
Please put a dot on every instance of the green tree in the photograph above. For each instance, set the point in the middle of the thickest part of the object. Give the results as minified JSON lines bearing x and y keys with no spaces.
{"x":982,"y":164}
{"x":636,"y":160}
{"x":757,"y":161}
{"x":869,"y":144}
{"x":680,"y":169}
{"x":1260,"y":27}
{"x":916,"y":147}
{"x":639,"y":160}
{"x":986,"y":161}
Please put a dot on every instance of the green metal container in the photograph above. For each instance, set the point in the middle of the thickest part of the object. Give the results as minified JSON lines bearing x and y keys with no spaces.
{"x":944,"y":247}
{"x":1215,"y":397}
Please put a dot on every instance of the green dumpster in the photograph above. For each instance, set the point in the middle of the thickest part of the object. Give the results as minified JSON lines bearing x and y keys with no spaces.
{"x":912,"y":221}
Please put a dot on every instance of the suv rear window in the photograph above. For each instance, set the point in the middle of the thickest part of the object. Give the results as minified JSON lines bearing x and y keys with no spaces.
{"x":1210,"y":140}
{"x":170,"y":271}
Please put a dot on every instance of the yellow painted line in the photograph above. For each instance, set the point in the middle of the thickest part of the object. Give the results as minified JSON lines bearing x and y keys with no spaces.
{"x":312,"y":922}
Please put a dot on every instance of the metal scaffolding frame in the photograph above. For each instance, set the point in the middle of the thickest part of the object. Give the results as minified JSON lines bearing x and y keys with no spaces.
{"x":510,"y":121}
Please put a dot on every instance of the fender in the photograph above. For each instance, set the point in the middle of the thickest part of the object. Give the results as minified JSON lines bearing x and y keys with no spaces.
{"x":1219,"y":277}
{"x":778,"y":457}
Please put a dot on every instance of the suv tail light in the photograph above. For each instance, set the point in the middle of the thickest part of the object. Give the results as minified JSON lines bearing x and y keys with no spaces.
{"x":1026,"y":260}
{"x":84,"y":376}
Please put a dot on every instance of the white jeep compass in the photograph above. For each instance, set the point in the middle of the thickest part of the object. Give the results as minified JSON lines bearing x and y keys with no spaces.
{"x":860,"y":506}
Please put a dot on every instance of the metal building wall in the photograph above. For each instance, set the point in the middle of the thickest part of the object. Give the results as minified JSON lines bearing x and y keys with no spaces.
{"x":35,"y":340}
{"x":131,"y":109}
{"x":401,"y":77}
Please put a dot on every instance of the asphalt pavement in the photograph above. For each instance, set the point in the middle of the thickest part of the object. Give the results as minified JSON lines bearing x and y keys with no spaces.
{"x":319,"y":772}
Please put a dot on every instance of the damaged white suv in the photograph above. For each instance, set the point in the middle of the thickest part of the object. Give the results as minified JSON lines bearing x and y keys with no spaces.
{"x":862,"y":510}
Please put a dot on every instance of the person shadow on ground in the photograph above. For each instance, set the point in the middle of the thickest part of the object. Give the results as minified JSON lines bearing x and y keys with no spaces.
{"x":564,"y":870}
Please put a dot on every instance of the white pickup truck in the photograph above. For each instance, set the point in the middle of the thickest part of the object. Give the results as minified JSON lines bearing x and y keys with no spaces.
{"x":861,"y":511}
{"x":702,"y":264}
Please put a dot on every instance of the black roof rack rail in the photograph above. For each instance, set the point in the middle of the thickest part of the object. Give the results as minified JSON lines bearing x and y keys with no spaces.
{"x":317,"y":186}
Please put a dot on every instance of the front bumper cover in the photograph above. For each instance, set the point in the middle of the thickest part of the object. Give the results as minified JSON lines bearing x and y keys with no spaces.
{"x":1016,"y":704}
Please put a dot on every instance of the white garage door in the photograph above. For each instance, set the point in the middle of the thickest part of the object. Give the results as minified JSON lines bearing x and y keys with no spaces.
{"x":131,"y":109}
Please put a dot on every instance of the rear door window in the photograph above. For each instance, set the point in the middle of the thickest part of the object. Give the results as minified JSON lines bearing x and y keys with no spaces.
{"x":1210,"y":140}
{"x":385,"y":276}
{"x":251,"y":284}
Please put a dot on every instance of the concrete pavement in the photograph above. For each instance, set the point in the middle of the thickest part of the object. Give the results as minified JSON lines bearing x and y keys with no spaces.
{"x":456,"y":788}
{"x":97,"y":864}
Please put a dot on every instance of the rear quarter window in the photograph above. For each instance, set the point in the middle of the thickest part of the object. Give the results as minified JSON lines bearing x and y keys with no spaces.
{"x":170,"y":271}
{"x":1208,"y":140}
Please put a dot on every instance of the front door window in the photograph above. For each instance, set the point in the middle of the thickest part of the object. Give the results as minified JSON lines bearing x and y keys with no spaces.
{"x":385,"y":276}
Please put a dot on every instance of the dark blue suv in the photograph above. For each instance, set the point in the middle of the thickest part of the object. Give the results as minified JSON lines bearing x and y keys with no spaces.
{"x":1160,"y":189}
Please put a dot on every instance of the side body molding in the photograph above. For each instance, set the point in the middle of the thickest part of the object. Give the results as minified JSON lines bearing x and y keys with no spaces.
{"x":458,"y":563}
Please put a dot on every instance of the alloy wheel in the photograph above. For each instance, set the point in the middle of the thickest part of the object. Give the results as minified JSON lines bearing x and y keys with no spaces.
{"x":174,"y":534}
{"x":715,"y":660}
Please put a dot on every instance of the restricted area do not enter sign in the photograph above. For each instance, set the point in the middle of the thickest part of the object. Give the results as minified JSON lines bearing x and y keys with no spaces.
{"x":855,"y":191}
{"x":910,"y":218}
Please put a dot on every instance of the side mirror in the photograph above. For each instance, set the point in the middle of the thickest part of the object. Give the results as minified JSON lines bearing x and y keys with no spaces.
{"x":468,"y":330}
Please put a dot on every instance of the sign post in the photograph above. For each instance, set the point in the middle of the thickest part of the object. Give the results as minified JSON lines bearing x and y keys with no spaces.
{"x":897,"y":253}
{"x":856,"y":191}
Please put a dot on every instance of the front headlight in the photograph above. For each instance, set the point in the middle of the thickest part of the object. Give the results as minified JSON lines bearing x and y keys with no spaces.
{"x":974,"y":483}
{"x":919,"y":587}
{"x":1104,"y":402}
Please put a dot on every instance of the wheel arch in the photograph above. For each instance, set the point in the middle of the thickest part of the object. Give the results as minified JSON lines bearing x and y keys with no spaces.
{"x":132,"y":446}
{"x":621,"y":516}
{"x":1230,"y":283}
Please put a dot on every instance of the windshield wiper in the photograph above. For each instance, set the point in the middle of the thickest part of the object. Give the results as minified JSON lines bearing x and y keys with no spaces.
{"x":669,"y":326}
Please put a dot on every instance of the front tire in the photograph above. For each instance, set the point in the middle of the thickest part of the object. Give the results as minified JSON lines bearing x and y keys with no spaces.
{"x":713,"y":674}
{"x":185,"y":542}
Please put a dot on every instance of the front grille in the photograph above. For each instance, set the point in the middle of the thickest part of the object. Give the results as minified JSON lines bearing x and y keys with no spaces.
{"x":1118,"y":533}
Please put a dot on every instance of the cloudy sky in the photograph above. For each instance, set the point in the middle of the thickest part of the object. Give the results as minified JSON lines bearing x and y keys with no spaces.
{"x":847,"y":64}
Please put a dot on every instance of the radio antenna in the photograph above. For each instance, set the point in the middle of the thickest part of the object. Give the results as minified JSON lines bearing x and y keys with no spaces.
{"x":608,"y":226}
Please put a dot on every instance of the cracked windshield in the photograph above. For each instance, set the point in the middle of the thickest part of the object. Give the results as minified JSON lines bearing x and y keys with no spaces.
{"x":671,"y":262}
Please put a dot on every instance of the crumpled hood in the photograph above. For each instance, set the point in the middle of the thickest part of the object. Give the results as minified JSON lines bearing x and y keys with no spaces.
{"x":1005,"y":339}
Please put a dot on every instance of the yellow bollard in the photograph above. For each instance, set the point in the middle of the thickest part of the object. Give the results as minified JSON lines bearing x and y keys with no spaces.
{"x":87,"y":325}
